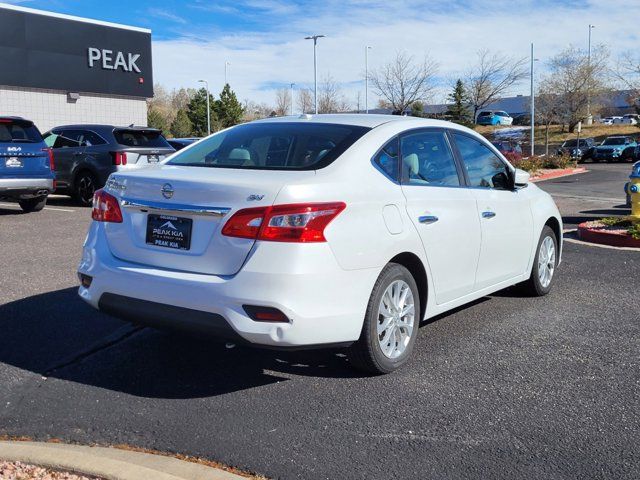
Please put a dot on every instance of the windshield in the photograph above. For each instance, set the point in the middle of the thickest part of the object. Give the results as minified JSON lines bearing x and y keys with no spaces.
{"x":141,"y":138}
{"x":18,"y":131}
{"x":274,"y":146}
{"x":614,"y":141}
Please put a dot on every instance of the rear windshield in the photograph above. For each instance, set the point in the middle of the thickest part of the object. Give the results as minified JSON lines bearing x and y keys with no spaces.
{"x":141,"y":138}
{"x":272,"y":146}
{"x":17,"y":131}
{"x":614,"y":141}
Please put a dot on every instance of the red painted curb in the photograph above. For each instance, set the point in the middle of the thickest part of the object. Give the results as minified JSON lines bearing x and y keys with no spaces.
{"x":603,"y":237}
{"x":559,"y":173}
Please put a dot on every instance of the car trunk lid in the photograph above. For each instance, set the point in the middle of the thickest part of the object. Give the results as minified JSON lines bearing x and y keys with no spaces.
{"x":173,"y":215}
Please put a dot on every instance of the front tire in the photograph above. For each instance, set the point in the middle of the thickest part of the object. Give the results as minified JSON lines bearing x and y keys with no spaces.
{"x":33,"y":204}
{"x":544,"y":264}
{"x":391,"y":323}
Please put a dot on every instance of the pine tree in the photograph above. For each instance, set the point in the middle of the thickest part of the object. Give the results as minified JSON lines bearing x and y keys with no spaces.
{"x":197,"y":113}
{"x":228,"y":109}
{"x":417,"y":109}
{"x":181,"y":126}
{"x":155,"y":119}
{"x":459,"y":108}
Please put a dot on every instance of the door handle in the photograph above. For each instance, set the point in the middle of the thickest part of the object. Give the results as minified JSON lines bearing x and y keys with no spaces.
{"x":488,"y":214}
{"x":428,"y":219}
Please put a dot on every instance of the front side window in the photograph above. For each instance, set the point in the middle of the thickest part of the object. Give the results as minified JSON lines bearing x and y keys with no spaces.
{"x":427,"y":160}
{"x":484,"y":168}
{"x":62,"y":139}
{"x":387,"y":159}
{"x":272,"y":146}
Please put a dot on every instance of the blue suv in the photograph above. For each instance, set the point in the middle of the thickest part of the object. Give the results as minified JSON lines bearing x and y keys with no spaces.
{"x":26,"y":164}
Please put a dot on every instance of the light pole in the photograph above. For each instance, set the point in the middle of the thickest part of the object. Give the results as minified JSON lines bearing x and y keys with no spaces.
{"x":366,"y":78}
{"x":292,"y":85}
{"x":315,"y":70}
{"x":208,"y":107}
{"x":589,"y":118}
{"x":533,"y":106}
{"x":226,"y":64}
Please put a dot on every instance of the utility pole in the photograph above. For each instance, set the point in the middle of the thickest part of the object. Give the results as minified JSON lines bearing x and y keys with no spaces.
{"x":208,"y":107}
{"x":315,"y":70}
{"x":366,"y":79}
{"x":589,"y":117}
{"x":533,"y":107}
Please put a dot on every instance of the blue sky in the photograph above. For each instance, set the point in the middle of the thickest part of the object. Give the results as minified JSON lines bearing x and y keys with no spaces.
{"x":263,"y":39}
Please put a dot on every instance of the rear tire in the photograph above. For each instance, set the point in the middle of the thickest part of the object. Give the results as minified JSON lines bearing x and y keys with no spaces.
{"x":33,"y":204}
{"x":84,"y":187}
{"x":544,"y":265}
{"x":388,"y":337}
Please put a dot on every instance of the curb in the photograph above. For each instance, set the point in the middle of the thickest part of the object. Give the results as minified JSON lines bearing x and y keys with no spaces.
{"x":559,"y":173}
{"x":109,"y":463}
{"x":602,"y":237}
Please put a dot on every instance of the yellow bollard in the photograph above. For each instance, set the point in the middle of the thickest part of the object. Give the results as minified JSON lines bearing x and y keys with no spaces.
{"x":633,"y":189}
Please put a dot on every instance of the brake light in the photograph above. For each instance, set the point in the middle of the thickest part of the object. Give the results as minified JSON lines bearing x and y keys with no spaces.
{"x":284,"y":223}
{"x":52,"y":164}
{"x":105,"y":208}
{"x":119,"y":158}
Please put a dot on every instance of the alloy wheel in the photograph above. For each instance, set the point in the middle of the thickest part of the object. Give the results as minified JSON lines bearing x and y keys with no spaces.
{"x":546,"y":261}
{"x":396,"y":318}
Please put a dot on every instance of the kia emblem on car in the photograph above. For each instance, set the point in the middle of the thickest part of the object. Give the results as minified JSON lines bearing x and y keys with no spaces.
{"x":167,"y":190}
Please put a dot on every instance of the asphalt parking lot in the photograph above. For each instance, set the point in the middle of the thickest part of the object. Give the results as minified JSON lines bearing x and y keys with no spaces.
{"x":508,"y":387}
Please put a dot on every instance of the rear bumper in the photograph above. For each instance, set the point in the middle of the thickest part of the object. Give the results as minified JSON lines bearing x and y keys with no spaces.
{"x":23,"y":188}
{"x":325,"y":304}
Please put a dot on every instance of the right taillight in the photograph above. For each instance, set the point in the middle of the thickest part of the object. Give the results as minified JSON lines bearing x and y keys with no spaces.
{"x":284,"y":223}
{"x":119,"y":158}
{"x":105,"y":208}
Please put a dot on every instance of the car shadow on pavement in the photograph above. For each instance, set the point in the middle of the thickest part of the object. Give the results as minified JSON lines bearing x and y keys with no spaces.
{"x":57,"y":335}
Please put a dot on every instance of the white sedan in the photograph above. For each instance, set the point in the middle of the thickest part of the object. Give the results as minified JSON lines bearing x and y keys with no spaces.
{"x":319,"y":231}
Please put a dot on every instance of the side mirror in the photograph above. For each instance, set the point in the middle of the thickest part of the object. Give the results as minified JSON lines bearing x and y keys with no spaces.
{"x":522,"y":177}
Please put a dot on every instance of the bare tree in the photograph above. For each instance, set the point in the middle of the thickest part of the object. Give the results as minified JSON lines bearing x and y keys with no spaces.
{"x":402,"y":81}
{"x":330,"y":97}
{"x":627,"y":72}
{"x":255,"y":111}
{"x":547,"y":105}
{"x":576,"y":82}
{"x":305,"y":100}
{"x":283,"y":102}
{"x":492,"y":77}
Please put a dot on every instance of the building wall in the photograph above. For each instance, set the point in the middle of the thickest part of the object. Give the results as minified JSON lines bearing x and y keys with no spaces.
{"x":50,"y":108}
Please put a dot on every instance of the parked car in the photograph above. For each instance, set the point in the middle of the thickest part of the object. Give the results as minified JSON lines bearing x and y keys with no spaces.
{"x":511,"y":150}
{"x":498,"y":117}
{"x":317,"y":231}
{"x":26,"y":164}
{"x":584,"y":150}
{"x":615,"y":148}
{"x":87,"y":154}
{"x":629,"y":119}
{"x":610,"y":120}
{"x":180,"y":143}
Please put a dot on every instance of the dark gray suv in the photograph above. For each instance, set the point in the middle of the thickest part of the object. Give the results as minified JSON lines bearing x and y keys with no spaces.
{"x":87,"y":154}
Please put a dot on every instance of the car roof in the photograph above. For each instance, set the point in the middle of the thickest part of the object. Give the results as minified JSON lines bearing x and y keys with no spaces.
{"x":356,"y":119}
{"x":98,"y":126}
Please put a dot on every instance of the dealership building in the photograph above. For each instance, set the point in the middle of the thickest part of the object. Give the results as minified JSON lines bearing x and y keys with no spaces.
{"x":58,"y":69}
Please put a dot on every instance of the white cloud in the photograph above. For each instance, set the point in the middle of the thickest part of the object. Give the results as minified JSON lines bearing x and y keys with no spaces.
{"x":450,"y":32}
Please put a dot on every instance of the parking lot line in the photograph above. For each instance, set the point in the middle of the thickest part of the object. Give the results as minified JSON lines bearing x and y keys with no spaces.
{"x":46,"y":208}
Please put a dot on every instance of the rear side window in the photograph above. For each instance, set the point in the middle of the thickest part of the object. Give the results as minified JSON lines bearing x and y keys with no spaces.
{"x":485,"y":114}
{"x":274,"y":146}
{"x":140,"y":138}
{"x":18,"y":131}
{"x":427,"y":160}
{"x":387,"y":159}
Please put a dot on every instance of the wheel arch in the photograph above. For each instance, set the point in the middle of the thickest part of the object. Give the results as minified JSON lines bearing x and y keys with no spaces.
{"x":415,"y":266}
{"x":554,"y":224}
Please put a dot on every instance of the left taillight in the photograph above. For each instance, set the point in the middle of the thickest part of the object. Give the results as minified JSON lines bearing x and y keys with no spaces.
{"x":105,"y":208}
{"x":52,"y":163}
{"x":300,"y":223}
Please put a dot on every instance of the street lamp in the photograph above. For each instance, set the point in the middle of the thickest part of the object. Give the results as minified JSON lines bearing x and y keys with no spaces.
{"x":226,"y":64}
{"x":589,"y":118}
{"x":533,"y":105}
{"x":208,"y":107}
{"x":292,"y":85}
{"x":315,"y":70}
{"x":366,"y":78}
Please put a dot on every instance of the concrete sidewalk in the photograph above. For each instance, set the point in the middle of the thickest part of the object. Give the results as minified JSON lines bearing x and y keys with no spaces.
{"x":109,"y":463}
